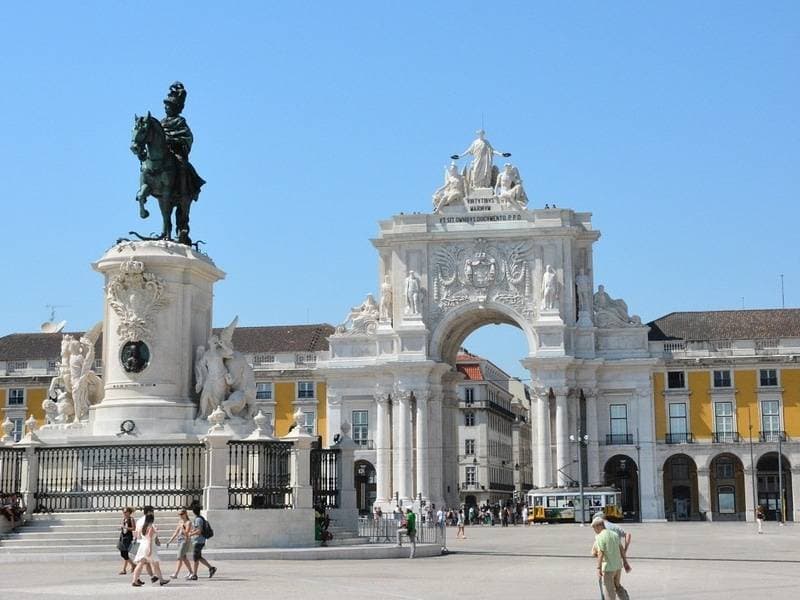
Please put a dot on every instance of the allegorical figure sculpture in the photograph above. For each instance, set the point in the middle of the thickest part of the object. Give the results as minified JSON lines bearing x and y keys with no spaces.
{"x":224,"y":378}
{"x":509,"y":188}
{"x":452,"y":192}
{"x":413,"y":294}
{"x":77,"y":386}
{"x":481,"y":172}
{"x":610,"y":312}
{"x":163,"y":149}
{"x":386,"y":300}
{"x":550,"y":289}
{"x":362,"y":318}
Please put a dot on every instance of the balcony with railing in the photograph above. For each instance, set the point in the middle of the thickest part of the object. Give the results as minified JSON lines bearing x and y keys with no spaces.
{"x":364,"y":444}
{"x":726,"y":437}
{"x":772,"y":436}
{"x":679,"y":438}
{"x":619,"y":439}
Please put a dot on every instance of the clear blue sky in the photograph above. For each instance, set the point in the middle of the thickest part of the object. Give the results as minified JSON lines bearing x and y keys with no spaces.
{"x":675,"y":123}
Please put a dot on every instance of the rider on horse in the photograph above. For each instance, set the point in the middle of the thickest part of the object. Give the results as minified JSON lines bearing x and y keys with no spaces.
{"x":187,"y":182}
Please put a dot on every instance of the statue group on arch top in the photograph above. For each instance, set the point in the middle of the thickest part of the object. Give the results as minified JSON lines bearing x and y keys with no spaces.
{"x":481,"y":178}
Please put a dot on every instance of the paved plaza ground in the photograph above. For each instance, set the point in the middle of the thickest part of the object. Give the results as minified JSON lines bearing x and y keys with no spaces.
{"x":676,"y":560}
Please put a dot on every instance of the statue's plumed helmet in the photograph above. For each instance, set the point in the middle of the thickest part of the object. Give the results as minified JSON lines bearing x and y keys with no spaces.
{"x":176,"y":95}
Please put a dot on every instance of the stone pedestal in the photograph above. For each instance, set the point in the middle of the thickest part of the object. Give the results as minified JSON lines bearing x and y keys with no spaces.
{"x":157,"y":312}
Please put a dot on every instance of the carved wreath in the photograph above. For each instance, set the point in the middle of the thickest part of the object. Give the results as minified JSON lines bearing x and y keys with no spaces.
{"x":135,"y":296}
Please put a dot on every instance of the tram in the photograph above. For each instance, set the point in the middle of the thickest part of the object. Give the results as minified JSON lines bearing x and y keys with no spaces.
{"x":562,"y":505}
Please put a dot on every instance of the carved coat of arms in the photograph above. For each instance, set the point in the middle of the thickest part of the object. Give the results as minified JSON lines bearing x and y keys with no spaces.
{"x":135,"y":295}
{"x":480,"y":272}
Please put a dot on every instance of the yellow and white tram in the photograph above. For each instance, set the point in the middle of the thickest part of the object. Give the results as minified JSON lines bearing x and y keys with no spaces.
{"x":563,"y":505}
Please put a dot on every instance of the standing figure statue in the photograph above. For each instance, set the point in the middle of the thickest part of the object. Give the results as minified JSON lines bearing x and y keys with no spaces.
{"x":550,"y":289}
{"x":413,"y":294}
{"x":386,"y":300}
{"x":87,"y":388}
{"x":584,"y":285}
{"x":163,"y":149}
{"x":481,"y":172}
{"x":209,"y":374}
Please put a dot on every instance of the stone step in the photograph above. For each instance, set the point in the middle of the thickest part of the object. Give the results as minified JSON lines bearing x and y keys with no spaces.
{"x":345,"y":541}
{"x":45,"y":542}
{"x":61,"y":534}
{"x":38,"y":548}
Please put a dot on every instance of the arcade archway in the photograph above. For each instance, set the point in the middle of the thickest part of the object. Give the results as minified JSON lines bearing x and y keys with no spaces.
{"x":726,"y":479}
{"x":681,"y":502}
{"x":622,"y":472}
{"x":364,"y":473}
{"x":768,"y":485}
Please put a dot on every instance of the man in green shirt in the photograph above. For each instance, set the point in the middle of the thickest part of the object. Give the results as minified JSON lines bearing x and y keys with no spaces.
{"x":609,"y":560}
{"x":411,"y":527}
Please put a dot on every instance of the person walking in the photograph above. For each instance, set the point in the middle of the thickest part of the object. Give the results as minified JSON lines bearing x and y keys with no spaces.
{"x":126,"y":540}
{"x":609,"y":561}
{"x":181,"y":534}
{"x":760,"y":518}
{"x":137,"y":535}
{"x":199,"y":543}
{"x":411,"y":531}
{"x":460,"y":524}
{"x":147,"y":554}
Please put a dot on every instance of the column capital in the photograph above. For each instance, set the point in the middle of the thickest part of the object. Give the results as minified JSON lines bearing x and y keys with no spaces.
{"x":591,"y":393}
{"x":333,"y":398}
{"x":382,"y":397}
{"x":562,"y":391}
{"x":422,"y":396}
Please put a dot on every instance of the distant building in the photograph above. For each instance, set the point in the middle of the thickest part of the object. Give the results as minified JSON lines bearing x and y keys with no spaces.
{"x":726,"y":398}
{"x":492,"y":420}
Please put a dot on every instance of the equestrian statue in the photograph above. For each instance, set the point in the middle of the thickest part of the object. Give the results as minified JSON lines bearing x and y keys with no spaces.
{"x":163,"y":150}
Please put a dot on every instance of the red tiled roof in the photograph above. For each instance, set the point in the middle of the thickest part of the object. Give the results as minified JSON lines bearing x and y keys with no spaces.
{"x":472,"y":372}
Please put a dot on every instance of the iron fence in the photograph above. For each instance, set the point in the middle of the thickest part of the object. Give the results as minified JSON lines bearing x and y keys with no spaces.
{"x":109,"y":478}
{"x":384,"y":530}
{"x":325,"y":477}
{"x":10,"y":473}
{"x":259,"y":475}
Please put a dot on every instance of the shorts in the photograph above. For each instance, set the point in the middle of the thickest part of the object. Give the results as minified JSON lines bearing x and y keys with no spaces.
{"x":183,"y":549}
{"x":198,"y":550}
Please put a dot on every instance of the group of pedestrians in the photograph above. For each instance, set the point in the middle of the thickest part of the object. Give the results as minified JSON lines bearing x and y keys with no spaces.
{"x":190,"y":534}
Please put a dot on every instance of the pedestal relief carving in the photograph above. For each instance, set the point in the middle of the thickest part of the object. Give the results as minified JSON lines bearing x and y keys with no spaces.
{"x":135,"y":295}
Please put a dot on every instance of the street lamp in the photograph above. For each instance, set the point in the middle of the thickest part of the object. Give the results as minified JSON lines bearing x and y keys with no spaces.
{"x":580,"y":440}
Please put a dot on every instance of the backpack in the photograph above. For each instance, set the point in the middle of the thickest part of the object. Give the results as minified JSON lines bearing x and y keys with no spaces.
{"x":206,"y":529}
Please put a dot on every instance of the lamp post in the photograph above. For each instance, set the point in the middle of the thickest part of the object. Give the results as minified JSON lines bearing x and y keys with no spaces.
{"x":580,"y":440}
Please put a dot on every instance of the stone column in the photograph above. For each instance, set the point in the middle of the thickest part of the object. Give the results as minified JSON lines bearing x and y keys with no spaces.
{"x":749,"y":500}
{"x":423,"y":480}
{"x":563,"y":460}
{"x":436,"y":448}
{"x":403,"y":425}
{"x":592,"y":430}
{"x":795,"y":514}
{"x":383,"y":451}
{"x":346,"y":514}
{"x":703,"y":491}
{"x":29,"y":472}
{"x":215,"y":494}
{"x":302,"y":492}
{"x":544,"y":466}
{"x":334,"y":414}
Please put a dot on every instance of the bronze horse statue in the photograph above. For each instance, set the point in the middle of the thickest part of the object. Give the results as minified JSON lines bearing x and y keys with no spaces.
{"x":162,"y":174}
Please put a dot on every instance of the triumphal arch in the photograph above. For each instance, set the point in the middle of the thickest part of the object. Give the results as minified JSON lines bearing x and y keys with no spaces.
{"x":482,"y":256}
